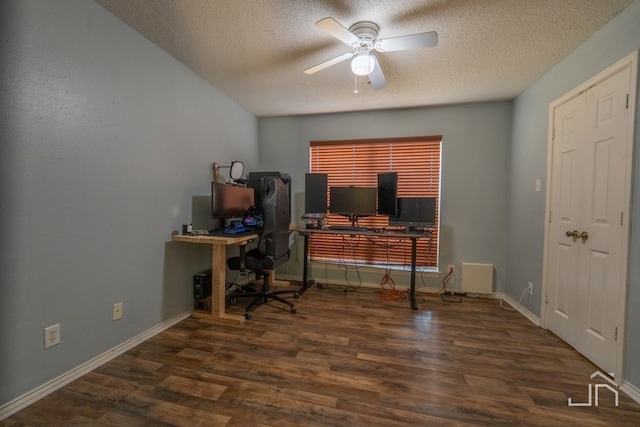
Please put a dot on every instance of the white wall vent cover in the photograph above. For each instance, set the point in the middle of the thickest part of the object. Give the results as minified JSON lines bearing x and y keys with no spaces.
{"x":477,"y":278}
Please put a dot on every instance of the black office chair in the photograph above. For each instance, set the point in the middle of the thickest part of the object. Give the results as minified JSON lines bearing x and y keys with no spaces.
{"x":272,"y":250}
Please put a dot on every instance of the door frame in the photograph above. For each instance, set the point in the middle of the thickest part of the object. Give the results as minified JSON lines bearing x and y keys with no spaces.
{"x":631,"y":61}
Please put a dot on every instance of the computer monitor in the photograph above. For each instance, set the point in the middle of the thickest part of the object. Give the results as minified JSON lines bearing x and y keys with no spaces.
{"x":388,"y":193}
{"x":415,"y":212}
{"x":230,"y":201}
{"x":353,"y":202}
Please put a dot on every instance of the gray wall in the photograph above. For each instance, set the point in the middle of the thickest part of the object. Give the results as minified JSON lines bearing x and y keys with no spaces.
{"x":474,"y":167}
{"x":105,"y":139}
{"x":617,"y":39}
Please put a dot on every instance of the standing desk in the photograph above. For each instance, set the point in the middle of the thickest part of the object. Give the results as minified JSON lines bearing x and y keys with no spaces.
{"x":219,"y":243}
{"x":384,"y":234}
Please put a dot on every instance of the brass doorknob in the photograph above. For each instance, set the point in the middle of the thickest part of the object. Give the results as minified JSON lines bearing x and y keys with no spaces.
{"x":575,"y":234}
{"x":584,"y":236}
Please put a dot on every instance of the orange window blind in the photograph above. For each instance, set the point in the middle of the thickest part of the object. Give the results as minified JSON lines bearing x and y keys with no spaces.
{"x":416,"y":160}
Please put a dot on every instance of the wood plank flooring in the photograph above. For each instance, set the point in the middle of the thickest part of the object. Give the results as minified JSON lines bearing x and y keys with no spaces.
{"x":345,"y":359}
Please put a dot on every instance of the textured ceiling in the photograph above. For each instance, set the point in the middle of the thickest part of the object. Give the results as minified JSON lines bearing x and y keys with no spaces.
{"x":255,"y":51}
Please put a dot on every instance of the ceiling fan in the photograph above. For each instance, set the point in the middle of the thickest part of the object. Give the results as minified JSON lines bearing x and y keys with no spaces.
{"x":363,"y":38}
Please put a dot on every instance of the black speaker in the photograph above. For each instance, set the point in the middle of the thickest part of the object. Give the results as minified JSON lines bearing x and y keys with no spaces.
{"x":388,"y":193}
{"x":202,"y":285}
{"x":315,"y":193}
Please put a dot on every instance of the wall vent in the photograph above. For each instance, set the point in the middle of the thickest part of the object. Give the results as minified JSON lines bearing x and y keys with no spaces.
{"x":477,"y":278}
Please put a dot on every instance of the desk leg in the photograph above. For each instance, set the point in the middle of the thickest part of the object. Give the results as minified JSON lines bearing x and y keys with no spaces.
{"x":218,"y":288}
{"x":412,"y":292}
{"x":306,"y":284}
{"x":218,"y":278}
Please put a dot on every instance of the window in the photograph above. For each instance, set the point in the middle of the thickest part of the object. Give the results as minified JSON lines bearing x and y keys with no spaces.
{"x":358,"y":162}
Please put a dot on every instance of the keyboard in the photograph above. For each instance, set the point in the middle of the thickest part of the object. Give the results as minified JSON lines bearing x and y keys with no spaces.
{"x":347,"y":228}
{"x":234,"y":230}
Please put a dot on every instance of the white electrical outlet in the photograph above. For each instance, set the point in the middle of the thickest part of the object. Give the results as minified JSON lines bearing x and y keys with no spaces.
{"x":117,"y":311}
{"x":530,"y":288}
{"x":52,"y":335}
{"x":452,"y":268}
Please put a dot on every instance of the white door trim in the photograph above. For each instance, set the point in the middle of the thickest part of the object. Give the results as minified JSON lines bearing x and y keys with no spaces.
{"x":631,"y":61}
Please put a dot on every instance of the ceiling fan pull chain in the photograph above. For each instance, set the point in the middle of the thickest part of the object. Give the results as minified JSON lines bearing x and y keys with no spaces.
{"x":356,"y":89}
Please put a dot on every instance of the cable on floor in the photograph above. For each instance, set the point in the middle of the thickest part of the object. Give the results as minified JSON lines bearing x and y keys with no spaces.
{"x":443,"y":289}
{"x":388,"y":289}
{"x":519,"y":301}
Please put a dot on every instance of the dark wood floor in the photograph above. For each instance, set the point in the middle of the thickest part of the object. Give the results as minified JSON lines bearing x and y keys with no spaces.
{"x":342,"y":360}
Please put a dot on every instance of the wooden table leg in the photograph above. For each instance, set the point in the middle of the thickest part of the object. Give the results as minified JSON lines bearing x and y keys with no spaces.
{"x":218,"y":277}
{"x":218,"y":288}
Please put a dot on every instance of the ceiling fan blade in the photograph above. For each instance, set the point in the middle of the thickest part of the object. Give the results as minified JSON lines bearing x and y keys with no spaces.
{"x":332,"y":27}
{"x":377,"y":77}
{"x":413,"y":41}
{"x":329,"y":63}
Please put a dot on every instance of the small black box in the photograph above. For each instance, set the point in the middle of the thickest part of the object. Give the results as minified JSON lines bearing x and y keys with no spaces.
{"x":202,"y":285}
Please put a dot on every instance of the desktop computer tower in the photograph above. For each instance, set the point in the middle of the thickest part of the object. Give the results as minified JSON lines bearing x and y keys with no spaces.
{"x":202,"y":285}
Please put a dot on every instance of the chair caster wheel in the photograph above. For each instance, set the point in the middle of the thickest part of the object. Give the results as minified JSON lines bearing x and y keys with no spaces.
{"x":232,"y":301}
{"x":296,"y":295}
{"x":293,"y":310}
{"x":248,"y":315}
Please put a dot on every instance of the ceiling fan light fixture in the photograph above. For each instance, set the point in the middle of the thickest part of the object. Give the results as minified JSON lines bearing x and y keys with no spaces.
{"x":363,"y":64}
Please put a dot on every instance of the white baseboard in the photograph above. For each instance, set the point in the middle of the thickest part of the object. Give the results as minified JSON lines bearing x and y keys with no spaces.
{"x":630,"y":390}
{"x":526,"y":313}
{"x":49,"y":387}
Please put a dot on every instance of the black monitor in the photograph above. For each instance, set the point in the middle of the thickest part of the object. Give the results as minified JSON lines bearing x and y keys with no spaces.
{"x":415,"y":212}
{"x":354,"y":202}
{"x":230,"y":201}
{"x":315,"y":193}
{"x":388,"y":193}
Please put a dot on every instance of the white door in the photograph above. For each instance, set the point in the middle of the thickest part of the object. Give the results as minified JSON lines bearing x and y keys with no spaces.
{"x":566,"y":204}
{"x":602,"y":256}
{"x":587,"y":235}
